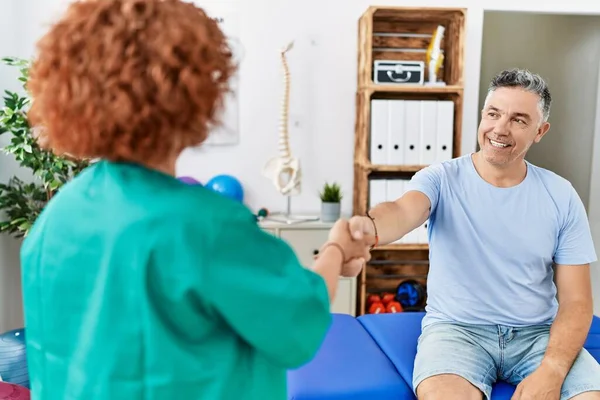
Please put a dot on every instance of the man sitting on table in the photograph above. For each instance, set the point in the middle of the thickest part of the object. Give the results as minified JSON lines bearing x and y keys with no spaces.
{"x":506,"y":238}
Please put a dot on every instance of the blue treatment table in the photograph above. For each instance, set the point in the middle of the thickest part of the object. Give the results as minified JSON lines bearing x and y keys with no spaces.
{"x":372,"y":356}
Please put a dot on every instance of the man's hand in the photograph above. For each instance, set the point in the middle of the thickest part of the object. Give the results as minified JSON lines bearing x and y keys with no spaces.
{"x":357,"y":250}
{"x":544,"y":383}
{"x":361,"y":226}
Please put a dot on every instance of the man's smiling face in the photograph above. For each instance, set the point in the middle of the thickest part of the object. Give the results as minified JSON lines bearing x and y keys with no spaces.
{"x":511,"y":121}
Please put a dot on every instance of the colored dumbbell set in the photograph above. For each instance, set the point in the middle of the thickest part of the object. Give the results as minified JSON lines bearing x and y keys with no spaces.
{"x":384,"y":303}
{"x":410,"y":296}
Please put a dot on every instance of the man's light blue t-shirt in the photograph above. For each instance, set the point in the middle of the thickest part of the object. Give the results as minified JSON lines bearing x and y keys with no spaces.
{"x":492,"y":249}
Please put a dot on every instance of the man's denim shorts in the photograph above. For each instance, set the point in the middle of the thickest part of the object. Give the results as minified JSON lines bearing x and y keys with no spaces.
{"x":485,"y":354}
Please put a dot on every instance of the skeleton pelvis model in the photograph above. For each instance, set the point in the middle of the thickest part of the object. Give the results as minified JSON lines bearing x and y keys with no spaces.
{"x":284,"y":170}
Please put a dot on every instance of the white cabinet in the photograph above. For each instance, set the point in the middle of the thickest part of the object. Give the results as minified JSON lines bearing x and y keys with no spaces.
{"x":306,"y":242}
{"x":306,"y":238}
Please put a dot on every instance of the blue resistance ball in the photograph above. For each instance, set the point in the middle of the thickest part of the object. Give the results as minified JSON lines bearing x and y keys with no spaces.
{"x":13,"y":358}
{"x":228,"y":186}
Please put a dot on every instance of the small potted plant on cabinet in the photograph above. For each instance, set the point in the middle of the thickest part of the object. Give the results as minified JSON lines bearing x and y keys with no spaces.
{"x":331,"y":202}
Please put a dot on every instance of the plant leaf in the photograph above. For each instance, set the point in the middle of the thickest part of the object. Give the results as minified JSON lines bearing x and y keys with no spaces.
{"x":22,"y":202}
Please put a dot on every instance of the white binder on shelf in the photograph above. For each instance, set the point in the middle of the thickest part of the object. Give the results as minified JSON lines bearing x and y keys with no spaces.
{"x":428,"y":132}
{"x":396,"y":131}
{"x":412,"y":129}
{"x":411,"y":132}
{"x":377,"y":192}
{"x":379,"y":127}
{"x":444,"y":130}
{"x":436,"y":128}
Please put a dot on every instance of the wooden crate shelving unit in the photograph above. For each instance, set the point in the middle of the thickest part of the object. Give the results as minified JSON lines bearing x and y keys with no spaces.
{"x":401,"y":33}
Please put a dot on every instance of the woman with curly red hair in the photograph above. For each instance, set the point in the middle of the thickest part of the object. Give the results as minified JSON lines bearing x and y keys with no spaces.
{"x":135,"y":285}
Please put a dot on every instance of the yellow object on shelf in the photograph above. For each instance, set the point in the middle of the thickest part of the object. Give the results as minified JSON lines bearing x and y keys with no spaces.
{"x":434,"y":56}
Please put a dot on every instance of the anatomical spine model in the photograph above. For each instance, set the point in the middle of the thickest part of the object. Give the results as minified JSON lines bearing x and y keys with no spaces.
{"x":284,"y":170}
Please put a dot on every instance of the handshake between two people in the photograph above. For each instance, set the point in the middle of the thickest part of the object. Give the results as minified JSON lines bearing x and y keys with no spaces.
{"x":354,"y":238}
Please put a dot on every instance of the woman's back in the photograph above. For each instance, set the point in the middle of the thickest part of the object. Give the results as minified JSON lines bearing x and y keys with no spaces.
{"x":137,"y":286}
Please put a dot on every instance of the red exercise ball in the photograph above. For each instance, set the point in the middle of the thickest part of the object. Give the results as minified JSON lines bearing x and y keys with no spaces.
{"x":10,"y":391}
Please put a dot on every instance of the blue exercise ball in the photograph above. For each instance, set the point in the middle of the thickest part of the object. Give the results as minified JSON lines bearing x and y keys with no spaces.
{"x":13,"y":358}
{"x":228,"y":186}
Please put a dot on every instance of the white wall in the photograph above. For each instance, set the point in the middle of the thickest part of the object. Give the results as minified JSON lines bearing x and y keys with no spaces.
{"x":325,"y":32}
{"x":323,"y":85}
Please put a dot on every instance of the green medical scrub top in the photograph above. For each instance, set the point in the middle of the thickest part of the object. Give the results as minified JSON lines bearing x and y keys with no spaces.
{"x":137,"y":286}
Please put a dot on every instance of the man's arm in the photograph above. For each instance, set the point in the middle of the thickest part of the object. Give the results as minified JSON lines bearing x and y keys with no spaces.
{"x":394,"y":219}
{"x":572,"y":323}
{"x":574,"y":253}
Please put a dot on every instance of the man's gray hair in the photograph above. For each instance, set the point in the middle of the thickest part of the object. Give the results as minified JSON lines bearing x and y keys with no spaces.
{"x":528,"y":81}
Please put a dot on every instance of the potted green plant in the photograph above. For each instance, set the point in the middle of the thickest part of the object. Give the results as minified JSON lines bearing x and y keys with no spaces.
{"x":331,"y":202}
{"x":22,"y":202}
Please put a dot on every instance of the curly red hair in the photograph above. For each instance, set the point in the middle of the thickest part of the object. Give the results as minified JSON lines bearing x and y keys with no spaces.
{"x":129,"y":80}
